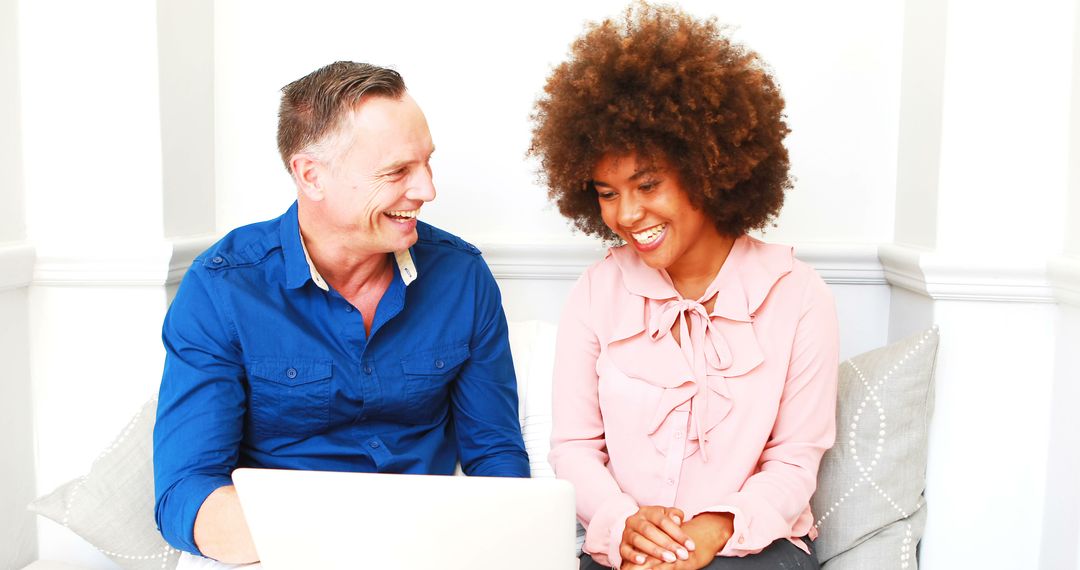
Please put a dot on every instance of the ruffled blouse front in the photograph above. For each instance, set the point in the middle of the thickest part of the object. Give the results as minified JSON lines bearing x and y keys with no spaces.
{"x":733,"y":418}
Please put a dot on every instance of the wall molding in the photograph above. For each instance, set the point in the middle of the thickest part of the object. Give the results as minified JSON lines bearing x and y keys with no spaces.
{"x":836,"y":263}
{"x":1065,"y":278}
{"x":844,"y":263}
{"x":184,"y":251}
{"x":562,"y":262}
{"x":107,"y":265}
{"x":955,"y":278}
{"x":16,"y":265}
{"x":925,"y":272}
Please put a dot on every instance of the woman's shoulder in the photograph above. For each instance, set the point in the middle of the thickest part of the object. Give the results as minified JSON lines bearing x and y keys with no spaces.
{"x":791,"y":277}
{"x":608,"y":289}
{"x":611,"y":269}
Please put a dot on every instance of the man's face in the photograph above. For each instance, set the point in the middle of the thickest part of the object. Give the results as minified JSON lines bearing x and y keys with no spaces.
{"x":377,"y":175}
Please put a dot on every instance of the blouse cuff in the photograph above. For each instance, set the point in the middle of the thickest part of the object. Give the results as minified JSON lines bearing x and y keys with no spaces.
{"x":750,"y":534}
{"x":603,"y":536}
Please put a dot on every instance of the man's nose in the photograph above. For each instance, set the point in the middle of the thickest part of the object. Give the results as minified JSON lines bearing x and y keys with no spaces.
{"x":422,"y":187}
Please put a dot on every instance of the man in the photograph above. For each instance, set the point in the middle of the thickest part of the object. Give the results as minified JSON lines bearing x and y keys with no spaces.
{"x":343,"y":336}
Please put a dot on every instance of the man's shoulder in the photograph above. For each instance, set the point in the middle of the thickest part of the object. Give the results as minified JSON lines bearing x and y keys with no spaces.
{"x":243,"y":246}
{"x":431,"y":236}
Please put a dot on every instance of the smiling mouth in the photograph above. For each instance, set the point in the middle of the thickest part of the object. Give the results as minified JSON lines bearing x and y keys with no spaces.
{"x":650,"y":235}
{"x":402,"y":215}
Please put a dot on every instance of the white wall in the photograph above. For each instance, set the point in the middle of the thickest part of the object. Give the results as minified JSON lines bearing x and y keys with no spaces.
{"x":18,"y":544}
{"x":95,"y":125}
{"x":186,"y":59}
{"x":91,"y":132}
{"x":982,"y":184}
{"x":12,"y":223}
{"x":1061,"y":541}
{"x":477,"y":67}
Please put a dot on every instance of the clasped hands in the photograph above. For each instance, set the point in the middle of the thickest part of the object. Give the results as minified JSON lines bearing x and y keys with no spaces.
{"x":661,"y":538}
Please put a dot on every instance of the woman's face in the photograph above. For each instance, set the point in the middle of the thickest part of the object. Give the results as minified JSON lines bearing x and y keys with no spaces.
{"x":644,"y":204}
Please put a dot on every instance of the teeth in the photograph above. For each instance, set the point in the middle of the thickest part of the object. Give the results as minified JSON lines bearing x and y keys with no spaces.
{"x":403,"y":213}
{"x":648,"y":236}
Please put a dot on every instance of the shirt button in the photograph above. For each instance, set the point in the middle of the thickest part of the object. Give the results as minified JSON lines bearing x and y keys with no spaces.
{"x":218,"y":260}
{"x":678,"y":435}
{"x":742,"y":540}
{"x":348,"y":308}
{"x":439,"y":364}
{"x":670,"y":481}
{"x":367,"y":370}
{"x":291,"y":373}
{"x":373,"y":444}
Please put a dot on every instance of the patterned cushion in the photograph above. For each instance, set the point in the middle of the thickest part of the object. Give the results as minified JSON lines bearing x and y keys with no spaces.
{"x":112,"y":506}
{"x":869,"y":503}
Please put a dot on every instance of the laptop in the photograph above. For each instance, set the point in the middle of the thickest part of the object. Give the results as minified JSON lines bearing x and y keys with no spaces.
{"x":331,"y":520}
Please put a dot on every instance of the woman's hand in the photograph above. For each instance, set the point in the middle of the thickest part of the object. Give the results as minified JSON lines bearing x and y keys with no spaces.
{"x":709,"y":532}
{"x":652,"y":536}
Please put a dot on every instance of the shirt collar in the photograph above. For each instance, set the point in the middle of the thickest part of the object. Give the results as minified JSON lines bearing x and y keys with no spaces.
{"x":743,"y":282}
{"x":299,"y":267}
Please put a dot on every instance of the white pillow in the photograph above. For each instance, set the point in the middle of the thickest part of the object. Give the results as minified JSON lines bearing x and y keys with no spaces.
{"x":532,"y":344}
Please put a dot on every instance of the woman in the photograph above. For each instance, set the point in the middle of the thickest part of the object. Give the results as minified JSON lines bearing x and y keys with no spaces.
{"x":695,"y":375}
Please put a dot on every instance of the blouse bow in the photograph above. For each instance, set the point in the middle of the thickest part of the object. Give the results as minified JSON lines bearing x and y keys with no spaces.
{"x":702,"y":344}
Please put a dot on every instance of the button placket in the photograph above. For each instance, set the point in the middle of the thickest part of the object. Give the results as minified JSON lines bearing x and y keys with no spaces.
{"x":676,"y":449}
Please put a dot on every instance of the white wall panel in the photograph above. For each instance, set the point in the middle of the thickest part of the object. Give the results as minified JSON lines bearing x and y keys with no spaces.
{"x":12,"y":223}
{"x":1072,"y":209}
{"x":91,"y":374}
{"x":989,"y":437}
{"x":186,"y":57}
{"x":919,"y":153}
{"x":1004,"y":143}
{"x":17,"y":537}
{"x":91,"y":126}
{"x":1061,"y":519}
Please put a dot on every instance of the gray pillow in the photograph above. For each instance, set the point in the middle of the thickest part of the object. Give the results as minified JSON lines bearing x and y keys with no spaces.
{"x":112,"y":506}
{"x":869,"y":503}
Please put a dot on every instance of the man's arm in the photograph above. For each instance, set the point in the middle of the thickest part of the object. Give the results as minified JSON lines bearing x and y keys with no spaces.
{"x":221,"y":531}
{"x":201,"y":406}
{"x":484,"y":397}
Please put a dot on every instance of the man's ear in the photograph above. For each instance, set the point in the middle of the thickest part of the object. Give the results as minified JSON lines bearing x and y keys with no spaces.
{"x":307,"y":172}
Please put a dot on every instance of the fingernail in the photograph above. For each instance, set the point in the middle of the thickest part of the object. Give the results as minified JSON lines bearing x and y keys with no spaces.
{"x":690,"y":544}
{"x":677,"y":520}
{"x":669,"y":557}
{"x":683,"y":553}
{"x":639,"y":559}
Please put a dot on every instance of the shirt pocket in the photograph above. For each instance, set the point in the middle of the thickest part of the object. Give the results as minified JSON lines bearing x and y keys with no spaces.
{"x":428,"y":376}
{"x":290,"y":396}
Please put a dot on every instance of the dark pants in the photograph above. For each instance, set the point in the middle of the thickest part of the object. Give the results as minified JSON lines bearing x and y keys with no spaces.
{"x":780,"y":554}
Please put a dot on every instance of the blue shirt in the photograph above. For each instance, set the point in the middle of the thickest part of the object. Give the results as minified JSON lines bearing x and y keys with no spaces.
{"x":264,"y":368}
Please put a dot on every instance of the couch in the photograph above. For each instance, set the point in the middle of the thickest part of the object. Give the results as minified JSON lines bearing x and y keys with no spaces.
{"x":869,"y":504}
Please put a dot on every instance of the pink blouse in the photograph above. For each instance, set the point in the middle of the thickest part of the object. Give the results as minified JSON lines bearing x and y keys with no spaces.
{"x":734,"y":420}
